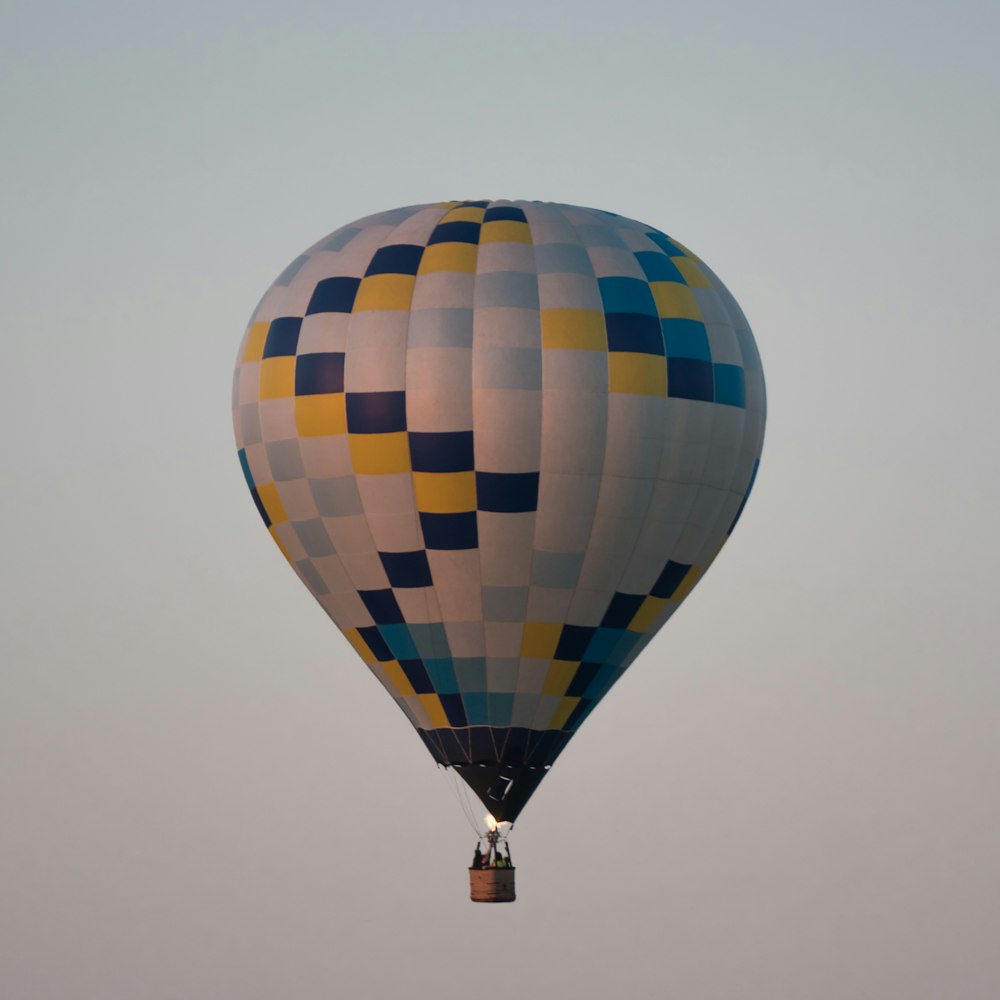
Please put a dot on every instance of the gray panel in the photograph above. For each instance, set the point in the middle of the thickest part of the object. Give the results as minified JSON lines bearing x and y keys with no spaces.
{"x":505,"y":604}
{"x":285,"y":460}
{"x":554,"y":258}
{"x":470,"y":672}
{"x":249,"y":424}
{"x":440,"y":327}
{"x":506,"y":288}
{"x":501,"y":673}
{"x":314,"y":537}
{"x":311,"y":578}
{"x":336,"y":497}
{"x":556,"y":569}
{"x":507,"y":368}
{"x":339,"y":239}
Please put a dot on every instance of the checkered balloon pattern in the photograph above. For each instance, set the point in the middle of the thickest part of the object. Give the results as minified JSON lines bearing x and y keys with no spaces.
{"x":500,"y":442}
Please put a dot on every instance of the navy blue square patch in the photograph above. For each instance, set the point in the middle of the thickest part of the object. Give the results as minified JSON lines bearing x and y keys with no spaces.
{"x":374,"y":641}
{"x":455,"y":232}
{"x":382,"y":606}
{"x":376,"y":412}
{"x":585,"y":673}
{"x":445,"y":451}
{"x":670,"y":579}
{"x":688,"y":378}
{"x":573,"y":642}
{"x":333,"y":295}
{"x":407,"y":569}
{"x":400,"y":258}
{"x":282,"y":337}
{"x":507,"y":492}
{"x":621,"y":610}
{"x":319,"y":373}
{"x":506,"y":213}
{"x":417,"y":676}
{"x":634,"y":332}
{"x":450,"y":531}
{"x":453,"y":708}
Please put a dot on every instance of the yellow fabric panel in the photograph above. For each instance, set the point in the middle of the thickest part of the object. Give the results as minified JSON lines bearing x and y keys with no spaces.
{"x":638,"y":374}
{"x":379,"y":454}
{"x":256,"y":335}
{"x":468,"y":213}
{"x":693,"y":274}
{"x":384,"y":291}
{"x":268,"y":494}
{"x":353,"y":636}
{"x":581,"y":329}
{"x":647,"y":613}
{"x":674,"y":300}
{"x":321,"y":415}
{"x":560,"y":674}
{"x":684,"y":587}
{"x":683,"y":250}
{"x":449,"y":257}
{"x":399,"y":680}
{"x":505,"y":231}
{"x":278,"y":542}
{"x":445,"y":492}
{"x":563,"y":712}
{"x":277,"y":377}
{"x":432,"y":706}
{"x":540,"y":639}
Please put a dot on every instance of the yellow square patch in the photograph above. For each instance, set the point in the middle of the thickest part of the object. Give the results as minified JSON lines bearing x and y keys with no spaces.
{"x":467,"y":213}
{"x":563,"y":712}
{"x":561,"y":672}
{"x":445,"y":492}
{"x":637,"y":374}
{"x":434,"y":710}
{"x":277,"y":377}
{"x":379,"y":454}
{"x":684,"y":587}
{"x":505,"y":231}
{"x":384,"y":291}
{"x":647,"y":613}
{"x":692,"y":273}
{"x":253,"y":349}
{"x":353,"y":636}
{"x":321,"y":415}
{"x":273,"y":530}
{"x":459,"y":257}
{"x":674,"y":300}
{"x":540,"y":639}
{"x":268,"y":494}
{"x":398,"y":679}
{"x":578,"y":329}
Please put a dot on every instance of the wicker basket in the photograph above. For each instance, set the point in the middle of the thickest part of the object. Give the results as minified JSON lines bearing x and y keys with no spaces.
{"x":491,"y":885}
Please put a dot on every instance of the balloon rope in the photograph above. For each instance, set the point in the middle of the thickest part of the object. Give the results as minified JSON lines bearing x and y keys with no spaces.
{"x":462,"y":792}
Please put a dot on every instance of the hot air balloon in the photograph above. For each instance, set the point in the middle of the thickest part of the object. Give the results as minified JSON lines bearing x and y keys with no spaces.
{"x":499,"y":442}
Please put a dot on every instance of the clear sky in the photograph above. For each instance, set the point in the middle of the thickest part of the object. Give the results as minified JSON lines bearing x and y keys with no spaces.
{"x":792,"y":794}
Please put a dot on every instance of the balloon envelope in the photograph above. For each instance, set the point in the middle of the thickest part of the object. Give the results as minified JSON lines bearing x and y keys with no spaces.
{"x":499,"y":442}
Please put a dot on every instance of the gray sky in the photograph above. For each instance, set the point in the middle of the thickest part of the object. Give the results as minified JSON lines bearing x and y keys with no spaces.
{"x":792,"y":794}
